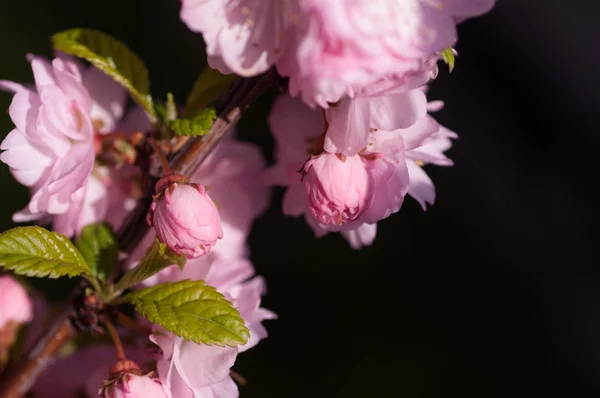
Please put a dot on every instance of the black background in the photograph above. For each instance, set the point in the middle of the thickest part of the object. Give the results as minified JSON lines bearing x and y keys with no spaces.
{"x":493,"y":292}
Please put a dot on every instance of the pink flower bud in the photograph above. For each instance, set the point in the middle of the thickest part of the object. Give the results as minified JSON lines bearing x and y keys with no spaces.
{"x":15,"y":304}
{"x":338,"y":188}
{"x":128,"y":382}
{"x":185,"y":217}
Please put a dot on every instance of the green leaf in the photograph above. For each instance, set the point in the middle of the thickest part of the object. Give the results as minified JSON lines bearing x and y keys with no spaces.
{"x":113,"y":58}
{"x":99,"y":247}
{"x":192,"y":310}
{"x":34,"y":251}
{"x":171,"y":109}
{"x":449,"y":58}
{"x":196,"y":127}
{"x":157,"y":257}
{"x":208,"y":87}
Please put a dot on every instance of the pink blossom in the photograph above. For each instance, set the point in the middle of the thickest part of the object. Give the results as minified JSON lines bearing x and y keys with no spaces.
{"x":233,"y":173}
{"x":15,"y":304}
{"x":193,"y":370}
{"x":188,"y":369}
{"x":185,"y":218}
{"x":338,"y":188}
{"x":391,"y":136}
{"x":51,"y":148}
{"x":243,"y":37}
{"x":16,"y":308}
{"x":330,"y":49}
{"x":421,"y":187}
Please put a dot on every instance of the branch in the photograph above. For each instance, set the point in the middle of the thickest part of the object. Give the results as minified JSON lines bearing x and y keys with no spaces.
{"x":40,"y":356}
{"x":241,"y":95}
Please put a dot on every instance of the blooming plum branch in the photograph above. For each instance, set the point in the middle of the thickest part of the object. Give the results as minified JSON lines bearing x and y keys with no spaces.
{"x":354,"y":130}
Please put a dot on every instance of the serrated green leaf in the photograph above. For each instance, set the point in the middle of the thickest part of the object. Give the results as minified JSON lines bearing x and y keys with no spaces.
{"x":449,"y":58}
{"x":196,"y":127}
{"x":192,"y":310}
{"x":99,"y":247}
{"x":207,"y":88}
{"x":34,"y":251}
{"x":113,"y":58}
{"x":157,"y":257}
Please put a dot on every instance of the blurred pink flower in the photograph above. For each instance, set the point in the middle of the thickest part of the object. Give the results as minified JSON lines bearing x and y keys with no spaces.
{"x":15,"y":304}
{"x":246,"y":37}
{"x":51,"y":149}
{"x":330,"y":49}
{"x":232,"y":174}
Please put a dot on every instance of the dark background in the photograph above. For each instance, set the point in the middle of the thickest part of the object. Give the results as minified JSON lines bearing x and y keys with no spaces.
{"x":493,"y":292}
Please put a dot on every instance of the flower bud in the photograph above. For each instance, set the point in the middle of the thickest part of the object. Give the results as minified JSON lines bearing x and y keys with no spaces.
{"x":338,"y":188}
{"x":15,"y":309}
{"x":184,"y":217}
{"x":128,"y":382}
{"x":15,"y":304}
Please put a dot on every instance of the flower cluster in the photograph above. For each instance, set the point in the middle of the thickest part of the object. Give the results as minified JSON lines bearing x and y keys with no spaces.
{"x":352,"y":166}
{"x":233,"y":172}
{"x":58,"y":125}
{"x":353,"y":133}
{"x":365,"y":64}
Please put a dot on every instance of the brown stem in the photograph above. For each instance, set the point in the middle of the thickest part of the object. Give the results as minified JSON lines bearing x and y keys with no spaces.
{"x":41,"y":355}
{"x":112,"y":331}
{"x":135,"y":228}
{"x":132,"y":324}
{"x":241,"y":380}
{"x":161,"y":156}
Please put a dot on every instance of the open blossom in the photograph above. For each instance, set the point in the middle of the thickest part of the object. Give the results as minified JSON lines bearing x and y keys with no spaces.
{"x":185,"y":217}
{"x":391,"y":136}
{"x":191,"y":370}
{"x":233,"y":171}
{"x":51,"y":150}
{"x":330,"y":49}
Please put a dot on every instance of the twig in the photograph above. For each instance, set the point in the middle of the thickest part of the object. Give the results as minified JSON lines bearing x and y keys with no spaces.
{"x":161,"y":156}
{"x":130,"y":323}
{"x":39,"y":358}
{"x":112,"y":331}
{"x":241,"y":380}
